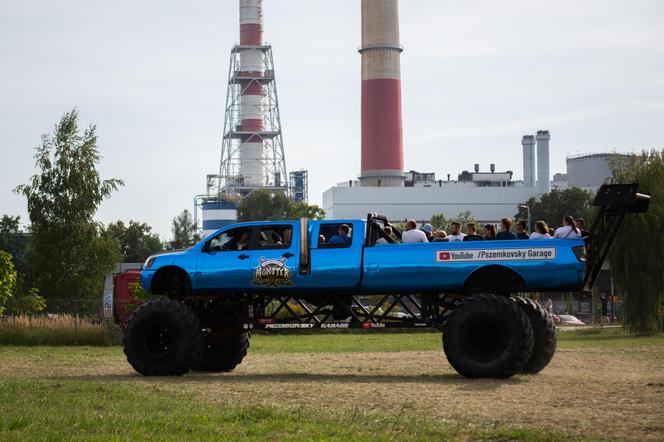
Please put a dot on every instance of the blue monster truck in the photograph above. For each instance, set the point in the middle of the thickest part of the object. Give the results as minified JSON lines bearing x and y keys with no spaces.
{"x":334,"y":274}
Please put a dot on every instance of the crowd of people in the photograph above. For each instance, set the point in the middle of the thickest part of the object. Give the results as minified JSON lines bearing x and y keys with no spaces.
{"x":571,"y":228}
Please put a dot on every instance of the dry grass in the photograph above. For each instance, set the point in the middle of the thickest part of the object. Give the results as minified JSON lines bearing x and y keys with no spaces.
{"x":606,"y":393}
{"x":57,"y":330}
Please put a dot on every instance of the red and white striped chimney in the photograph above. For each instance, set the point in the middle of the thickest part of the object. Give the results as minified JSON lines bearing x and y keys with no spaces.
{"x":252,"y":67}
{"x":382,"y":135}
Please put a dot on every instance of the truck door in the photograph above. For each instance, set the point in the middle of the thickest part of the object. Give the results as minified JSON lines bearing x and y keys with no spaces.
{"x":336,"y":262}
{"x":275,"y":259}
{"x":224,"y":264}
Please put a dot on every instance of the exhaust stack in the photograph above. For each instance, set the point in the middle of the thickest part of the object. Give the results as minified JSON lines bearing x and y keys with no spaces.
{"x":382,"y":135}
{"x":528,"y":143}
{"x":543,"y":173}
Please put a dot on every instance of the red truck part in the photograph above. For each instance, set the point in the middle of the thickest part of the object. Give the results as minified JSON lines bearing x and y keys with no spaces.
{"x":123,"y":299}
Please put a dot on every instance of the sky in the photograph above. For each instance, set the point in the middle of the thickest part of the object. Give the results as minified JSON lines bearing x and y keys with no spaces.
{"x":476,"y":76}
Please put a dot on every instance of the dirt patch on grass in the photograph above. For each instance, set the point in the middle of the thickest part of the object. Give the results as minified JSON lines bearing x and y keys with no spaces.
{"x":609,"y":394}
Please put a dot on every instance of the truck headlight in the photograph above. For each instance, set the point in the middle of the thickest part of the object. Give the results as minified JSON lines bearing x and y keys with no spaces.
{"x":149,"y":261}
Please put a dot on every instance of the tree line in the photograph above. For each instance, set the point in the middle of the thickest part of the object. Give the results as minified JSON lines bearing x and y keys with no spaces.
{"x":65,"y":253}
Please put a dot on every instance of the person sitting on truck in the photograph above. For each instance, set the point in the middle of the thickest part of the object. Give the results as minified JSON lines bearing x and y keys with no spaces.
{"x":440,"y":236}
{"x":489,"y":231}
{"x":471,"y":234}
{"x":541,"y":231}
{"x":521,"y":230}
{"x":388,"y":231}
{"x":581,"y":225}
{"x":455,"y":232}
{"x":412,"y":234}
{"x":506,"y":232}
{"x":342,"y":236}
{"x":568,"y":229}
{"x":428,"y":231}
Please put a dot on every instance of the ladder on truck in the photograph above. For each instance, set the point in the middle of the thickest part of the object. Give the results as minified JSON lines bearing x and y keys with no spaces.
{"x":614,"y":202}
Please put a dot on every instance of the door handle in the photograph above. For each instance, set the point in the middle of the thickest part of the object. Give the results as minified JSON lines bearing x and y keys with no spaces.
{"x":243,"y":256}
{"x":288,"y":255}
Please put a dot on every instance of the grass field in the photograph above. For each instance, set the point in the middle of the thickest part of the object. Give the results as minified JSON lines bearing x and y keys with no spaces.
{"x":601,"y":385}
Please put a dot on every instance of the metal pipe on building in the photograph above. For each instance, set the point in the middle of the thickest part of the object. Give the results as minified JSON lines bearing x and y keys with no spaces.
{"x":382,"y":132}
{"x":252,"y":66}
{"x":543,"y":173}
{"x":528,"y":143}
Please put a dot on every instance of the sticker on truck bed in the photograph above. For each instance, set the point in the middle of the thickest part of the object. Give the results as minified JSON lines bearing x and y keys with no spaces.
{"x":272,"y":273}
{"x":524,"y":254}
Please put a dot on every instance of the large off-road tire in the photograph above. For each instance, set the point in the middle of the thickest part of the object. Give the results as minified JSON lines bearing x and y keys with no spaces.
{"x":163,"y":338}
{"x":488,"y":336}
{"x":544,"y":334}
{"x":223,"y":355}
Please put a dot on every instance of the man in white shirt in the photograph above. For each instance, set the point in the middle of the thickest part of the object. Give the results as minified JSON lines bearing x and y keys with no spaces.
{"x":412,"y":234}
{"x":568,"y":230}
{"x":455,"y":232}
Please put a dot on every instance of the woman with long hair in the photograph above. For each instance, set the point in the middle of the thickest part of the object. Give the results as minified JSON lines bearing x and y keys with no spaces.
{"x":489,"y":231}
{"x":568,"y":229}
{"x":541,"y":231}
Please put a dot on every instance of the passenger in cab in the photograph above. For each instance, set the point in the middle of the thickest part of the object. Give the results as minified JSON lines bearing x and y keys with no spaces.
{"x":521,"y":230}
{"x":382,"y":240}
{"x":568,"y":230}
{"x":342,"y":236}
{"x":455,"y":232}
{"x":541,"y":231}
{"x":440,"y":236}
{"x":506,"y":232}
{"x":411,"y":234}
{"x":489,"y":231}
{"x":428,"y":231}
{"x":471,"y":234}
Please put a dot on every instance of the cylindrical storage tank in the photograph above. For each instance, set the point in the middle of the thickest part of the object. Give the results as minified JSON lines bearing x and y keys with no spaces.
{"x":543,"y":172}
{"x":528,"y":143}
{"x":382,"y":132}
{"x":217,"y":213}
{"x":591,"y":170}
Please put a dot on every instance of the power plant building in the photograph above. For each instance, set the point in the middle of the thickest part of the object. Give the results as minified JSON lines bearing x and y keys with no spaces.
{"x":383,"y":186}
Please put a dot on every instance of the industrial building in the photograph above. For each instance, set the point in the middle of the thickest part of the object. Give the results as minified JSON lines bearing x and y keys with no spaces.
{"x":384,"y":187}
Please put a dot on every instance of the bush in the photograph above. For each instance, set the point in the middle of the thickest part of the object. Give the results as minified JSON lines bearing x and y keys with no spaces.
{"x":58,"y":330}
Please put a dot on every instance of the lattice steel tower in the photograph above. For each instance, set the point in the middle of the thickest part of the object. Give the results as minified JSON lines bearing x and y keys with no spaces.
{"x":252,"y":153}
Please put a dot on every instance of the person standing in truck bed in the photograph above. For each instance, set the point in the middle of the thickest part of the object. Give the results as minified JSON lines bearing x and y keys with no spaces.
{"x":412,"y":234}
{"x":521,"y":230}
{"x":455,"y":232}
{"x":506,"y":232}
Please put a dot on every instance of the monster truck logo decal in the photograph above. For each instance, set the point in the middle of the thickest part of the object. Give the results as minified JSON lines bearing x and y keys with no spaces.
{"x":521,"y":254}
{"x":272,"y":273}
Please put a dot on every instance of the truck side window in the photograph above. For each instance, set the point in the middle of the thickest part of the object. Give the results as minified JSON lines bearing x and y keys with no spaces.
{"x":231,"y":240}
{"x":275,"y":237}
{"x":335,"y":235}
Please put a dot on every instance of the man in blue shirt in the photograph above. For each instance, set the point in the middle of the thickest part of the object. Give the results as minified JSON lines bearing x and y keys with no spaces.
{"x":342,"y":236}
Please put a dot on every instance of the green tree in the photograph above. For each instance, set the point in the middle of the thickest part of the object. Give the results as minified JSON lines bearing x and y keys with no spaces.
{"x":438,"y":221}
{"x":136,"y":240}
{"x":68,"y":255}
{"x":635,"y":258}
{"x":185,"y":232}
{"x":300,"y":209}
{"x":266,"y":204}
{"x":555,"y":205}
{"x":13,"y":241}
{"x":7,"y":279}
